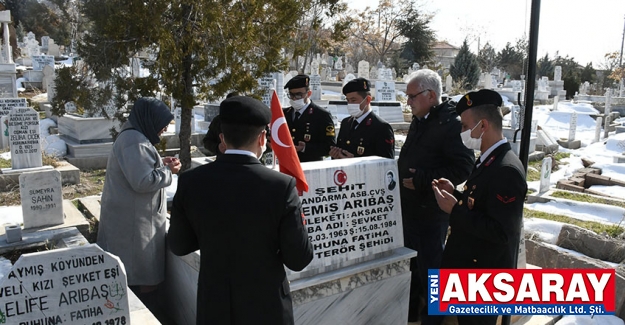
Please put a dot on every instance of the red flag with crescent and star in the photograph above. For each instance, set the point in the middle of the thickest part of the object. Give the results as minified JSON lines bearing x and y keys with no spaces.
{"x":282,"y":145}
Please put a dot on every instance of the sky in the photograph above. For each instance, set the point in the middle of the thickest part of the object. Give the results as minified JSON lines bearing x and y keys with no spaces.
{"x":584,"y":30}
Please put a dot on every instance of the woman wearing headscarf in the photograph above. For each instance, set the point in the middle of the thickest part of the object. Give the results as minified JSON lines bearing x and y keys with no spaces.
{"x":133,"y":206}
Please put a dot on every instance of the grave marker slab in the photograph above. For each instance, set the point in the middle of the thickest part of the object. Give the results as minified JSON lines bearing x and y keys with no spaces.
{"x":39,"y":61}
{"x":598,"y":124}
{"x":42,"y":198}
{"x":572,"y":126}
{"x":315,"y":86}
{"x":353,"y":212}
{"x":268,"y":84}
{"x":545,"y":175}
{"x":385,"y":91}
{"x":4,"y":132}
{"x":24,"y":135}
{"x":363,"y":69}
{"x":7,"y":104}
{"x":70,"y":286}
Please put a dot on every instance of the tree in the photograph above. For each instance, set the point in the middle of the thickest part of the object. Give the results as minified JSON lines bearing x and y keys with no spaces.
{"x":414,"y":26}
{"x":379,"y":28}
{"x":545,"y":67}
{"x":465,"y":67}
{"x":40,"y":18}
{"x":487,"y":58}
{"x":512,"y":59}
{"x":194,"y":49}
{"x":588,"y":74}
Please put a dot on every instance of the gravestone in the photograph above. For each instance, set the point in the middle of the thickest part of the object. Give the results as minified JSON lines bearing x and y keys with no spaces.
{"x":608,"y":103}
{"x":324,"y":74}
{"x":4,"y":132}
{"x":39,"y":61}
{"x":349,"y":68}
{"x":42,"y":198}
{"x":178,"y":118}
{"x":363,"y":69}
{"x":385,"y":91}
{"x":606,"y":129}
{"x":70,"y":286}
{"x":545,"y":175}
{"x":267,"y":83}
{"x":7,"y":104}
{"x":352,"y":213}
{"x":53,"y":49}
{"x":557,"y":73}
{"x":284,"y":99}
{"x":555,"y":103}
{"x":48,"y":77}
{"x":315,"y":86}
{"x":314,"y":68}
{"x":572,"y":126}
{"x":70,"y":107}
{"x":385,"y":74}
{"x":514,"y":117}
{"x":24,"y":138}
{"x":448,"y":83}
{"x":373,"y":73}
{"x":598,"y":124}
{"x":339,"y":64}
{"x":348,"y":78}
{"x":45,"y":40}
{"x":488,"y":81}
{"x":135,"y":65}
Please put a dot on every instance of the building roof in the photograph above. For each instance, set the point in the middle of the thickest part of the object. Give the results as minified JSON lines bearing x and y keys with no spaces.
{"x":443,"y":45}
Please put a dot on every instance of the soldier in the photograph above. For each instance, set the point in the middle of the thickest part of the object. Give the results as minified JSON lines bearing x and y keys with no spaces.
{"x":485,"y":218}
{"x":363,"y":133}
{"x":311,"y":126}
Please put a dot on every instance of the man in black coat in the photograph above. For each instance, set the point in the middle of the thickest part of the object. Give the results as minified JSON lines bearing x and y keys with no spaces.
{"x":486,"y":217}
{"x":211,"y":140}
{"x":433,"y":149}
{"x":363,"y":133}
{"x":243,"y":247}
{"x":311,"y":126}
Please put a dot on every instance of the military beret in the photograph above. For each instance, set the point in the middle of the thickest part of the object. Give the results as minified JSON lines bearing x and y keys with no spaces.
{"x":358,"y":84}
{"x":299,"y":81}
{"x":245,"y":111}
{"x":478,"y":98}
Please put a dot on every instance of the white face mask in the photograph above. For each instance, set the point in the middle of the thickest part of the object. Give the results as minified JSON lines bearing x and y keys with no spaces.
{"x":469,"y":141}
{"x":297,"y":104}
{"x":354,"y":109}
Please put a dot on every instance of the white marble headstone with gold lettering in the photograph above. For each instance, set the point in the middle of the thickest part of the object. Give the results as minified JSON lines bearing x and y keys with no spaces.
{"x":70,"y":286}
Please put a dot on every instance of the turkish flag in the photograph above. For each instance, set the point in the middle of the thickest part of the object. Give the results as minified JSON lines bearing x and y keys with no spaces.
{"x":282,"y":145}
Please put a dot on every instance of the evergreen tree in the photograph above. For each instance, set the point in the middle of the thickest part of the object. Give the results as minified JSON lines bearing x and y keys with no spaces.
{"x":414,"y":26}
{"x":487,"y":58}
{"x":545,"y":67}
{"x":195,"y":50}
{"x":589,"y":74}
{"x":571,"y":74}
{"x":465,"y":67}
{"x":511,"y":60}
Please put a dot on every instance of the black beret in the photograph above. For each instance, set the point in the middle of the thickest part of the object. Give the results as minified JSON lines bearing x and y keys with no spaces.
{"x":245,"y":111}
{"x":299,"y":81}
{"x":358,"y":84}
{"x":477,"y":98}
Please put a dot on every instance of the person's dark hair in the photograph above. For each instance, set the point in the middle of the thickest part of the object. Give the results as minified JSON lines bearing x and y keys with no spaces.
{"x":390,"y":173}
{"x":232,"y":94}
{"x":238,"y":135}
{"x":364,"y":94}
{"x":489,"y":112}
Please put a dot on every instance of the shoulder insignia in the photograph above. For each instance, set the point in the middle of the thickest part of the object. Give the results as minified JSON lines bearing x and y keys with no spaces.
{"x":310,"y":110}
{"x":490,"y":161}
{"x":330,"y":130}
{"x":389,"y":141}
{"x":368,"y":122}
{"x":506,"y":199}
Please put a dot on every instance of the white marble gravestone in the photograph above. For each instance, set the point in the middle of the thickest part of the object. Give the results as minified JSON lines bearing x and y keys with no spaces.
{"x":556,"y":99}
{"x":363,"y":69}
{"x":178,"y":118}
{"x":315,"y":86}
{"x":545,"y":175}
{"x":42,"y":198}
{"x":267,"y":83}
{"x":69,"y":286}
{"x":314,"y":67}
{"x":352,"y":211}
{"x":598,"y":124}
{"x":70,"y":107}
{"x":339,"y":64}
{"x":7,"y":104}
{"x":557,"y":73}
{"x":24,"y":137}
{"x":448,"y":83}
{"x":572,"y":126}
{"x":48,"y":77}
{"x":39,"y":61}
{"x":385,"y":91}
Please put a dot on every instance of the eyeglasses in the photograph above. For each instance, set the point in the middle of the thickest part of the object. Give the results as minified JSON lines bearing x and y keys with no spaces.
{"x":412,"y":97}
{"x":296,"y":95}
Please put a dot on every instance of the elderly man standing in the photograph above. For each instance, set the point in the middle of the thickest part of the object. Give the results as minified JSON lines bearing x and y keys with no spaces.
{"x":485,"y":218}
{"x":433,"y":150}
{"x":311,"y":126}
